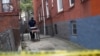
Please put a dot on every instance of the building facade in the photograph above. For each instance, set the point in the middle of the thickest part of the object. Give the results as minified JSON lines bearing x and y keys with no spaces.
{"x":75,"y":20}
{"x":9,"y":25}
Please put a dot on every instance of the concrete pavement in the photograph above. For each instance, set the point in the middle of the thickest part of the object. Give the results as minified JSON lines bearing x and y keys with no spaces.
{"x":49,"y":43}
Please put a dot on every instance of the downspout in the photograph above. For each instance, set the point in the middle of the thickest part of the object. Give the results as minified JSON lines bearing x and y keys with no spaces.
{"x":43,"y":17}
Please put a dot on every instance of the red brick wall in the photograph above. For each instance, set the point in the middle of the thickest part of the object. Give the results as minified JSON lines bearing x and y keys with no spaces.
{"x":4,"y":23}
{"x":80,"y":10}
{"x":15,"y":4}
{"x":36,"y":6}
{"x":95,"y":4}
{"x":15,"y":22}
{"x":9,"y":20}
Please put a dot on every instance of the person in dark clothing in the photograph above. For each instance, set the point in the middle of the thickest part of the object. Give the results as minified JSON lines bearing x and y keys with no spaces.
{"x":32,"y":23}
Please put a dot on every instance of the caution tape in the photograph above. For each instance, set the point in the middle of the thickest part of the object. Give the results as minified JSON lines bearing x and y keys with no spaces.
{"x":52,"y":53}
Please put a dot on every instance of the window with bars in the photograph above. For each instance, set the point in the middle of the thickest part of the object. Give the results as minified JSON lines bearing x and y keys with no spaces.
{"x":6,"y":6}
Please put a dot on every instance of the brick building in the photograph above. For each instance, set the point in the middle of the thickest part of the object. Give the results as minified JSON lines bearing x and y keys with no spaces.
{"x":75,"y":20}
{"x":9,"y":26}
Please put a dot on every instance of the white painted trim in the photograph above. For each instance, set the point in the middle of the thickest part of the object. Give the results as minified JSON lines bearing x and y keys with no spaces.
{"x":58,"y":6}
{"x":47,"y":9}
{"x":60,"y":10}
{"x":52,"y":3}
{"x":5,"y":1}
{"x":82,"y":0}
{"x":71,"y":4}
{"x":39,"y":16}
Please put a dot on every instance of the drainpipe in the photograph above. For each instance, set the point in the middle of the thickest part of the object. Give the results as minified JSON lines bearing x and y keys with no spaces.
{"x":44,"y":24}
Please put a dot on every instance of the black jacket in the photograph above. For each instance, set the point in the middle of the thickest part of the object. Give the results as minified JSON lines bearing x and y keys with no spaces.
{"x":32,"y":23}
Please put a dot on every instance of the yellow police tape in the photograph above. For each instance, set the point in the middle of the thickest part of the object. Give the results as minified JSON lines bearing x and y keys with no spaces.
{"x":52,"y":53}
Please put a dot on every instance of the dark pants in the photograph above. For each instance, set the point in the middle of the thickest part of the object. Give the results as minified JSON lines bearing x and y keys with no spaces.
{"x":32,"y":36}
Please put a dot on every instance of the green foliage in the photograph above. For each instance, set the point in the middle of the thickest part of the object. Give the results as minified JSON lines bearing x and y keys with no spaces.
{"x":26,"y":5}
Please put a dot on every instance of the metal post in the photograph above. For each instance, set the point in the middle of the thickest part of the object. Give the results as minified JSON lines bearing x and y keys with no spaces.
{"x":43,"y":17}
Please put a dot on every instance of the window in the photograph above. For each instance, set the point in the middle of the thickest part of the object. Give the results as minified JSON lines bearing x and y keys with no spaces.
{"x":5,"y":1}
{"x":56,"y":30}
{"x":52,"y":3}
{"x":83,"y":0}
{"x":6,"y":6}
{"x":39,"y":16}
{"x":46,"y":30}
{"x":71,"y":3}
{"x":74,"y":28}
{"x":47,"y":9}
{"x":60,"y":5}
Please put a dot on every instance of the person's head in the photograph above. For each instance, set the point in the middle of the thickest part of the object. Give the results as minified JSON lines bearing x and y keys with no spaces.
{"x":32,"y":18}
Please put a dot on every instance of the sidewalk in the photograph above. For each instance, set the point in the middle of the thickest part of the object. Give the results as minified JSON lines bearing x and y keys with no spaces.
{"x":49,"y":43}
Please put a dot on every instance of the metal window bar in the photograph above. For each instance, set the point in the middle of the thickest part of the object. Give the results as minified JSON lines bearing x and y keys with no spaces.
{"x":6,"y":7}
